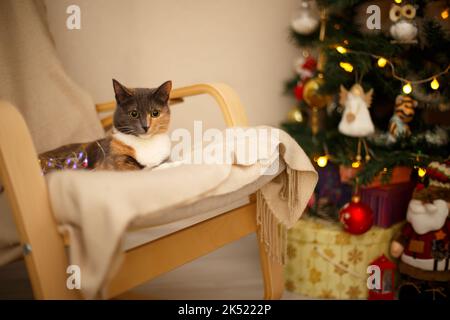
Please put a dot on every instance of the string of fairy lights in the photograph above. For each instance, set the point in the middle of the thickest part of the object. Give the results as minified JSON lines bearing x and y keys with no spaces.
{"x":407,"y":87}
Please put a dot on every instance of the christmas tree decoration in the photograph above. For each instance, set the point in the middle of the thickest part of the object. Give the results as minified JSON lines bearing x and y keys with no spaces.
{"x":407,"y":88}
{"x":341,"y":49}
{"x":381,"y":62}
{"x":295,"y":115}
{"x":396,"y":127}
{"x":298,"y":91}
{"x":421,"y":172}
{"x":444,"y":14}
{"x":306,"y":18}
{"x":315,"y":100}
{"x":322,"y":161}
{"x":403,"y":114}
{"x":384,"y":288}
{"x":423,"y":243}
{"x":404,"y":28}
{"x":434,"y":84}
{"x":356,"y":120}
{"x":346,"y":66}
{"x":305,"y":67}
{"x":356,"y":217}
{"x":311,"y":93}
{"x":356,"y":164}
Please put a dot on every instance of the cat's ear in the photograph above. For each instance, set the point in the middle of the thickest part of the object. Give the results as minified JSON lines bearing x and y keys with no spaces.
{"x":163,"y":92}
{"x":121,"y":91}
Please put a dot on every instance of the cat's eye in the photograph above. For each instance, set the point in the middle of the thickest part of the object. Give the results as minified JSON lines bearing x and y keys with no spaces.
{"x":155,"y":113}
{"x":134,"y":114}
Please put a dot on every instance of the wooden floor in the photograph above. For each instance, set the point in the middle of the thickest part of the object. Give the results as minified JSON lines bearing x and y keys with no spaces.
{"x":232,"y":272}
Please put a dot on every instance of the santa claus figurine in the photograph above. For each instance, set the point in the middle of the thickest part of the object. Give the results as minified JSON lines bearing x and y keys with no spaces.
{"x":423,"y":243}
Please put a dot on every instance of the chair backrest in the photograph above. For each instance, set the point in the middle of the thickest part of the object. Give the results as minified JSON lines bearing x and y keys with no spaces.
{"x":57,"y":111}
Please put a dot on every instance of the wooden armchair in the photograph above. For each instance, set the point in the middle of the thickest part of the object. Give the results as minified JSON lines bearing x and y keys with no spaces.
{"x":44,"y":248}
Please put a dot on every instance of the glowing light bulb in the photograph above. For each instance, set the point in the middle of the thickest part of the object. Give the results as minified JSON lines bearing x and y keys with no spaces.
{"x":341,"y":49}
{"x":421,"y":172}
{"x":407,"y":88}
{"x":434,"y":84}
{"x":398,"y":1}
{"x":346,"y":66}
{"x":382,"y":62}
{"x":444,"y":14}
{"x":322,"y":161}
{"x":356,"y":164}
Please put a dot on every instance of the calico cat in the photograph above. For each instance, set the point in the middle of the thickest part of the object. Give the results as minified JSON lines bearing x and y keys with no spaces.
{"x":139,"y":136}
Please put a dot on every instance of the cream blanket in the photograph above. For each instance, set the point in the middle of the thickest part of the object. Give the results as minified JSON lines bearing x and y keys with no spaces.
{"x":96,"y":208}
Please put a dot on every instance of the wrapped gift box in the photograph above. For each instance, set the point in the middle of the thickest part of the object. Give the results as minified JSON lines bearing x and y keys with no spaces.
{"x":330,"y":186}
{"x":326,"y":262}
{"x":398,"y":175}
{"x":389,"y":203}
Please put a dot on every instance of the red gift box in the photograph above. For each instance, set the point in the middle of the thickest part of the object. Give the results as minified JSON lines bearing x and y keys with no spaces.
{"x":389,"y":203}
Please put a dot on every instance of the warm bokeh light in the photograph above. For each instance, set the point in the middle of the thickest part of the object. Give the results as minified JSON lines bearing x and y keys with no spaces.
{"x":421,"y":172}
{"x":382,"y":62}
{"x":322,"y":161}
{"x":356,"y":164}
{"x":346,"y":66}
{"x":341,"y":49}
{"x":407,"y":88}
{"x":434,"y":84}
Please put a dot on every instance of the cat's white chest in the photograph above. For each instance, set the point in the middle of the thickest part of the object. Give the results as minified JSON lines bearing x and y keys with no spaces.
{"x":149,"y":152}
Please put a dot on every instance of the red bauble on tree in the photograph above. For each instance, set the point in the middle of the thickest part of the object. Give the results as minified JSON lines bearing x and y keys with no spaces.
{"x":356,"y":217}
{"x":298,"y":91}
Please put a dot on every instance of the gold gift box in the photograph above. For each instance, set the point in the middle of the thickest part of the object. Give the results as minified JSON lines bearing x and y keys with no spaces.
{"x":324,"y":261}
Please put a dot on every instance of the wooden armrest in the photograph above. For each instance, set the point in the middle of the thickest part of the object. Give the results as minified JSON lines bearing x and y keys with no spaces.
{"x":229,"y":103}
{"x":27,"y":194}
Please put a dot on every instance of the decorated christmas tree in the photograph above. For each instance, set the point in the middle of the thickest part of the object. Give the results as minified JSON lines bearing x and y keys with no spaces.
{"x":372,"y":86}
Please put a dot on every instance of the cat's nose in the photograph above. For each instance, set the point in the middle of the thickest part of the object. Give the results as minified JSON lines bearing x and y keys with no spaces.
{"x":145,"y":128}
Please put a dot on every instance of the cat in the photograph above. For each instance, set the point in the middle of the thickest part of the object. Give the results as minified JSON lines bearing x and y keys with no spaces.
{"x":139,"y":136}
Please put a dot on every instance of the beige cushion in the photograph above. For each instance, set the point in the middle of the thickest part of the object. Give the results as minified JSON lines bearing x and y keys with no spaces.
{"x":56,"y":109}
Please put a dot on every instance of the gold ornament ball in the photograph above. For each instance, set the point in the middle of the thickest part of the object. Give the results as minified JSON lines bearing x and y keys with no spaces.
{"x":311,"y":93}
{"x":295,"y":115}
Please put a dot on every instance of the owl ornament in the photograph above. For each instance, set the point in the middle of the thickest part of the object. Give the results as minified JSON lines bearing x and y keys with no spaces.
{"x":356,"y":120}
{"x":404,"y":28}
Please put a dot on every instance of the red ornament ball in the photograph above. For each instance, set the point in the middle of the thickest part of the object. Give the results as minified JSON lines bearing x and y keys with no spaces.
{"x":298,"y":92}
{"x":356,"y":217}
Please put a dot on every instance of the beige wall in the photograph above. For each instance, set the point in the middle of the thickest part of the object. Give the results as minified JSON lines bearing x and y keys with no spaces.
{"x":142,"y":43}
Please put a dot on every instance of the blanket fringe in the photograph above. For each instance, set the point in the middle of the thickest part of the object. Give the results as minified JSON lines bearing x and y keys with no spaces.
{"x":290,"y":190}
{"x":271,"y":232}
{"x":294,"y":192}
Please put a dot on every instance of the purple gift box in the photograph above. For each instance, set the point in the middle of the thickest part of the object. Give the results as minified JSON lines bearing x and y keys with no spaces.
{"x":389,"y":203}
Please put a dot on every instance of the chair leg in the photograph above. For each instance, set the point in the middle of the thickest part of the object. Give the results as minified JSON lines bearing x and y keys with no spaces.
{"x":272,"y":272}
